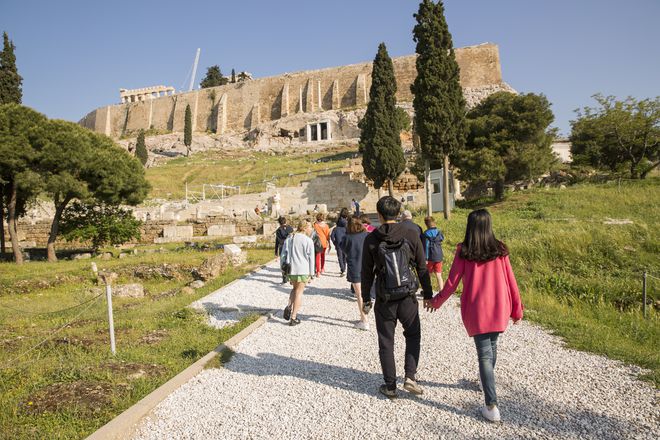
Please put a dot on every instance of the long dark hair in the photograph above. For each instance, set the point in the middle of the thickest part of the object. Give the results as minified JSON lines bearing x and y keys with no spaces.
{"x":354,"y":225}
{"x":480,"y":243}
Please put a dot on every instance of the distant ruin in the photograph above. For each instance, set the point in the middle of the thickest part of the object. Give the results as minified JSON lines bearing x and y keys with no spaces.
{"x":243,"y":106}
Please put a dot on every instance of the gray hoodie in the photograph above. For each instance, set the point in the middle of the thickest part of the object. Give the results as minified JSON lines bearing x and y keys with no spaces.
{"x":298,"y":250}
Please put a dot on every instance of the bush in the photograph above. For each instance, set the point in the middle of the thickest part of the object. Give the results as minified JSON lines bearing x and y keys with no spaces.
{"x":99,"y":224}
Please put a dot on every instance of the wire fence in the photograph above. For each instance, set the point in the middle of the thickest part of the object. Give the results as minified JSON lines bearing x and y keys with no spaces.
{"x":27,"y":312}
{"x":11,"y":363}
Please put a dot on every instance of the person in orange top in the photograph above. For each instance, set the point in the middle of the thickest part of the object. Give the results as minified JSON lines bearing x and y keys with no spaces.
{"x":323,"y":231}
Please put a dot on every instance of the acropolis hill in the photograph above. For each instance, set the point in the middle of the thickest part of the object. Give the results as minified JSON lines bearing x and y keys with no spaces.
{"x":241,"y":107}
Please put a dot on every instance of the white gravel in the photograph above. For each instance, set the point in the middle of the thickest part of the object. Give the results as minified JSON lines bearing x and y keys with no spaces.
{"x":320,"y":379}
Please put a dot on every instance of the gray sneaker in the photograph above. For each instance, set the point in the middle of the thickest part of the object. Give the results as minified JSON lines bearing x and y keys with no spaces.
{"x":390,"y":394}
{"x":412,"y":387}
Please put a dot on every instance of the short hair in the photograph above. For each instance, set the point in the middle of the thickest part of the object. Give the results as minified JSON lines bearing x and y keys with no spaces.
{"x":302,"y":225}
{"x":364,"y":218}
{"x":388,"y":207}
{"x":320,"y":217}
{"x":429,"y":221}
{"x":354,"y":225}
{"x":407,"y":214}
{"x":281,"y":220}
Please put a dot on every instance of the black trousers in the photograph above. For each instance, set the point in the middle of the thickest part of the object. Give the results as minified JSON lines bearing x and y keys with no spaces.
{"x":341,"y":256}
{"x":387,"y":315}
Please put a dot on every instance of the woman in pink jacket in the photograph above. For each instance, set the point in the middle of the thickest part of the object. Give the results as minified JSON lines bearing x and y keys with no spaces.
{"x":490,"y":297}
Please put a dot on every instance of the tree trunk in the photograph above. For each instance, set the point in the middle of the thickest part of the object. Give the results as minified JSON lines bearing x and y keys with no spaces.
{"x":2,"y":221}
{"x":648,"y":170}
{"x":11,"y":223}
{"x":499,"y":189}
{"x":427,"y":186}
{"x":54,"y":229}
{"x":390,"y":187}
{"x":445,"y":187}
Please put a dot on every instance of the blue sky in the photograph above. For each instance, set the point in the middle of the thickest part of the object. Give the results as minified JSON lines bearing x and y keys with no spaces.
{"x":74,"y":55}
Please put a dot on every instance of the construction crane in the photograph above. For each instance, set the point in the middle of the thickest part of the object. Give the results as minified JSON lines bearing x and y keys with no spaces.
{"x":194,"y":71}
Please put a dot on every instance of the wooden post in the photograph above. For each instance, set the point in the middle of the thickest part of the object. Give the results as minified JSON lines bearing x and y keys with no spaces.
{"x":445,"y":187}
{"x":428,"y":188}
{"x":108,"y":278}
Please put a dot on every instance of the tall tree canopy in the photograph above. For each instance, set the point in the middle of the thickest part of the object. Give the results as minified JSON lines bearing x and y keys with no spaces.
{"x":22,"y":137}
{"x":10,"y":80}
{"x":141,"y":148}
{"x":213,"y":78}
{"x":380,"y":143}
{"x":508,"y":140}
{"x":438,"y":97}
{"x":187,"y":129}
{"x":78,"y":164}
{"x":618,"y":135}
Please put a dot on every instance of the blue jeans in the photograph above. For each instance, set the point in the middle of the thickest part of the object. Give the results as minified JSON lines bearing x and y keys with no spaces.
{"x":487,"y":352}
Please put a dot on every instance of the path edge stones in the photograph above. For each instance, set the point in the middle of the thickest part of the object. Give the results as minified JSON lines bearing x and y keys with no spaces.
{"x":123,"y":426}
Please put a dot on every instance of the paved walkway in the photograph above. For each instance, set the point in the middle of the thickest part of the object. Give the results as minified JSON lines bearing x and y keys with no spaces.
{"x":320,"y":379}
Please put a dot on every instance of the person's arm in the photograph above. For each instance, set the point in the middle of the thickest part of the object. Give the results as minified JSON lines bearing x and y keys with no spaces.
{"x":284,"y":252}
{"x":422,"y":272}
{"x":309,"y":249}
{"x":455,"y":275}
{"x":277,"y":244}
{"x":514,"y":293}
{"x":425,"y":245}
{"x":367,"y":271}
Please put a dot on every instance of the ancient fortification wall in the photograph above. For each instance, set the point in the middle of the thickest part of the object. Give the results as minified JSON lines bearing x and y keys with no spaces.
{"x":241,"y":106}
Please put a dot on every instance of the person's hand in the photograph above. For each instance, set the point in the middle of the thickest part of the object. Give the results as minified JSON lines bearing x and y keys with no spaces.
{"x":516,"y":321}
{"x":366,"y":307}
{"x":428,"y":305}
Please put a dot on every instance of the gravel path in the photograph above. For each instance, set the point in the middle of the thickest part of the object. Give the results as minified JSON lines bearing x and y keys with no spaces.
{"x":320,"y":379}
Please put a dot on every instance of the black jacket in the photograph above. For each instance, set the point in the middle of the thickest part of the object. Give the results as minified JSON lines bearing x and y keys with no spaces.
{"x":393,"y":232}
{"x":280,"y":236}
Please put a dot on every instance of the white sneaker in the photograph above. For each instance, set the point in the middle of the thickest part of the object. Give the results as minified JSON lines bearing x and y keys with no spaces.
{"x":491,"y":414}
{"x":362,"y":325}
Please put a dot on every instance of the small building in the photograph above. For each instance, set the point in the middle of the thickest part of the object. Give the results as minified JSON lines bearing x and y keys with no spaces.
{"x":562,"y":149}
{"x":437,"y":202}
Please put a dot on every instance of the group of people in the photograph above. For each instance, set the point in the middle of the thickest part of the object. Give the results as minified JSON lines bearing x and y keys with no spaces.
{"x":386,"y":266}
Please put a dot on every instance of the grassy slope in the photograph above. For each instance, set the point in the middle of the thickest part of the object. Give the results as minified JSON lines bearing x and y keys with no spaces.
{"x":578,"y":276}
{"x":168,"y":180}
{"x":85,"y":357}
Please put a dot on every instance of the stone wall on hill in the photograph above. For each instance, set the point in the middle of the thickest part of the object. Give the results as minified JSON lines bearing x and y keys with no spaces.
{"x":242,"y":106}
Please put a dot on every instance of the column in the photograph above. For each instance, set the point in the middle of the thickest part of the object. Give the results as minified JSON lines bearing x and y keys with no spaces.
{"x":308,"y":132}
{"x":336,"y":99}
{"x":361,"y":89}
{"x":300,"y":99}
{"x":320,"y":97}
{"x":284,"y":105}
{"x":318,"y":131}
{"x":309,"y":96}
{"x":221,"y":123}
{"x":329,"y":124}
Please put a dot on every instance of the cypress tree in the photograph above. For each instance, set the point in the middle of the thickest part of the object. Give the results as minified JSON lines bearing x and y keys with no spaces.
{"x":141,"y":148}
{"x":10,"y":80}
{"x":233,"y":76}
{"x":438,"y":97}
{"x":187,"y":129}
{"x":380,"y":144}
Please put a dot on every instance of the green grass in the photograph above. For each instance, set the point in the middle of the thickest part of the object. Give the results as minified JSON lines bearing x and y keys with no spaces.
{"x":158,"y":334}
{"x":579,"y":277}
{"x":168,"y":180}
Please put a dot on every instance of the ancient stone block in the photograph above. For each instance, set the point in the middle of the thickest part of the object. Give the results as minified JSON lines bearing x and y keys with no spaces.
{"x":182,"y":232}
{"x":269,"y":228}
{"x":223,"y":230}
{"x":128,"y":291}
{"x":235,"y":255}
{"x":245,"y":239}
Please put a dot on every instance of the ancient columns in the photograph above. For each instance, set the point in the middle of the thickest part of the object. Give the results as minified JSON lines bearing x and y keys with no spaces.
{"x":221,"y":122}
{"x":284,"y":105}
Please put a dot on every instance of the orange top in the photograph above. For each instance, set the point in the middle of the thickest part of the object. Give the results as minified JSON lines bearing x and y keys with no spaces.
{"x":323,"y":232}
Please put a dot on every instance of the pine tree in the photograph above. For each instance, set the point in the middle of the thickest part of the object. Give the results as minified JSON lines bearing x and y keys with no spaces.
{"x":233,"y":76}
{"x":10,"y":80}
{"x":141,"y":148}
{"x":380,"y":144}
{"x":438,"y":102}
{"x":213,"y":78}
{"x":187,"y":130}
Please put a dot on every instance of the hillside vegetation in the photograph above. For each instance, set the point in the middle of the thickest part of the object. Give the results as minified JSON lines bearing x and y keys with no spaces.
{"x":249,"y":170}
{"x":579,"y":275}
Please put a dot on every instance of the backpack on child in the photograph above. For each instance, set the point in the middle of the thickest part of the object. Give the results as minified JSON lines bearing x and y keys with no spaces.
{"x":435,"y":247}
{"x":396,"y":278}
{"x":318,"y":246}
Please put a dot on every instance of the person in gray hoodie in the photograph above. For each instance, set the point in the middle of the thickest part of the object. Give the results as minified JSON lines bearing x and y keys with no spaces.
{"x":298,"y":254}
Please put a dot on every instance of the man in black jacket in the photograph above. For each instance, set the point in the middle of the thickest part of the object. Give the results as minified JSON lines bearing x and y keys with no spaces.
{"x":405,"y":310}
{"x":280,"y":237}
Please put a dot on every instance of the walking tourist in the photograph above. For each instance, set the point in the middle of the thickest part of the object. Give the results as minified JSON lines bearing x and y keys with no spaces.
{"x":407,"y":222}
{"x":352,"y":245}
{"x":432,"y":240}
{"x":297,"y":259}
{"x":392,"y":253}
{"x":364,"y":218}
{"x":337,"y":235}
{"x":490,"y":297}
{"x":356,"y":207}
{"x":280,"y":236}
{"x":323,"y":232}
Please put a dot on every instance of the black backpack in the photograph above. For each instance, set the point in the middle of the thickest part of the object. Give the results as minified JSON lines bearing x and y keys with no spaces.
{"x":318,"y":246}
{"x":396,"y":277}
{"x":435,"y":247}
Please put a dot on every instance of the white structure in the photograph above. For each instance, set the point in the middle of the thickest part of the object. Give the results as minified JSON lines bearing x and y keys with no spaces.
{"x":135,"y":95}
{"x":436,"y":190}
{"x":318,"y":131}
{"x":562,"y":149}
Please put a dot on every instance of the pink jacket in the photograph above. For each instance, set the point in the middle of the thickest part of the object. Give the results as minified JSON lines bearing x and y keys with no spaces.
{"x":490,"y":294}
